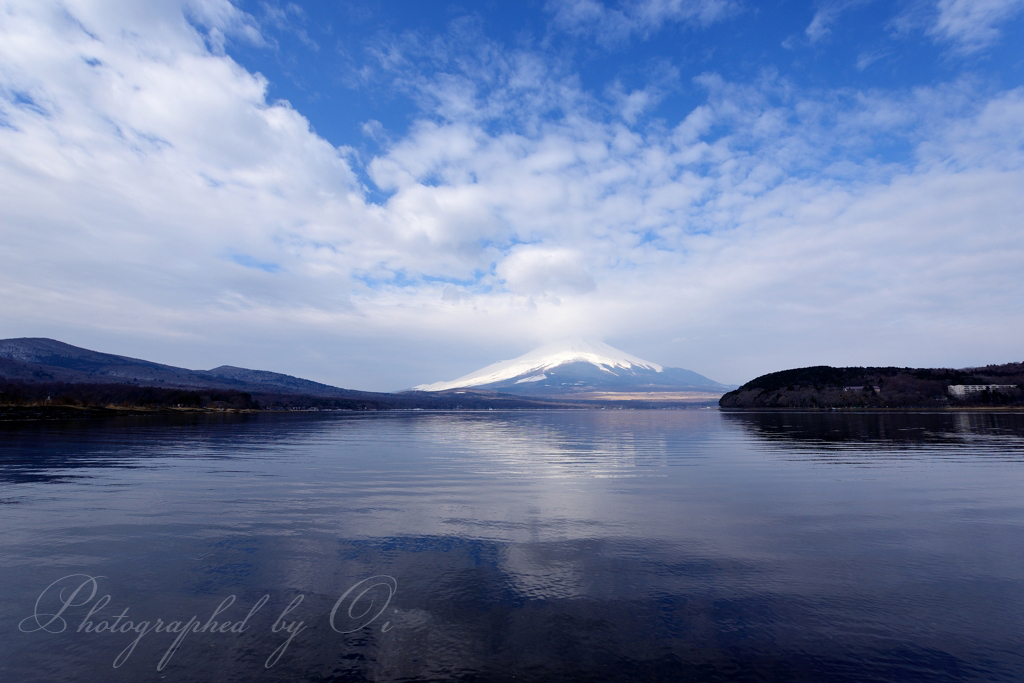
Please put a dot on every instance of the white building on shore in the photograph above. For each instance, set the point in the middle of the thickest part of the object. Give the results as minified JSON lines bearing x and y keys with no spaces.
{"x":963,"y":390}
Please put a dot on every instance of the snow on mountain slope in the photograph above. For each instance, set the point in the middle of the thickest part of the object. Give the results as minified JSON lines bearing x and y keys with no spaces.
{"x":531,"y":366}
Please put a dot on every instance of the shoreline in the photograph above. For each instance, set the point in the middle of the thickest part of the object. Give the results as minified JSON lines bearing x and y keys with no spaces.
{"x":15,"y":413}
{"x":881,"y":409}
{"x":25,"y":414}
{"x":21,"y":414}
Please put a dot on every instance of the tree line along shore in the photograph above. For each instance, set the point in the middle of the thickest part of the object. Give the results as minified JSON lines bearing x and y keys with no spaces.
{"x":810,"y":388}
{"x":824,"y":387}
{"x":21,"y":400}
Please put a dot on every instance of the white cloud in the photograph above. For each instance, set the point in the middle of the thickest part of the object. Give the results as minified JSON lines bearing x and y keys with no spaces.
{"x":826,"y":15}
{"x":222,"y":20}
{"x":867,"y":58}
{"x":968,"y":25}
{"x":613,"y":24}
{"x":973,"y":24}
{"x":536,"y":270}
{"x":152,"y":198}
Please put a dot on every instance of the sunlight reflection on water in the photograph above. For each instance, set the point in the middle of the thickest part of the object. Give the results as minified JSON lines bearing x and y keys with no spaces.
{"x":688,"y":545}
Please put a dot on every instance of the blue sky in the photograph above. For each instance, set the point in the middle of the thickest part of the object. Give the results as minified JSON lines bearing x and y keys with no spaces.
{"x":381,"y":194}
{"x":325,"y":57}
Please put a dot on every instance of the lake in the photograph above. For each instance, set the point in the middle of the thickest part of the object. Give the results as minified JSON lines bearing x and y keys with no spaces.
{"x":689,"y":545}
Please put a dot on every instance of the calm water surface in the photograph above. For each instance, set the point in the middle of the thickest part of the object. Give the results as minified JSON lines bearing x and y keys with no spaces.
{"x":544,"y":546}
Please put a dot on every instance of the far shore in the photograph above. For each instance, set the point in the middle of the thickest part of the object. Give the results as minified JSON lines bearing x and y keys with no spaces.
{"x":55,"y":413}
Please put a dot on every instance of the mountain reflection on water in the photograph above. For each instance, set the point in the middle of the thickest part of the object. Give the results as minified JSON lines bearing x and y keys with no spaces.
{"x":577,"y":545}
{"x":945,"y":434}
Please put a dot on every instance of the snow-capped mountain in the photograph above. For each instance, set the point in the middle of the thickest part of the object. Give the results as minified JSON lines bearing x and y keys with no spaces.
{"x":576,"y":366}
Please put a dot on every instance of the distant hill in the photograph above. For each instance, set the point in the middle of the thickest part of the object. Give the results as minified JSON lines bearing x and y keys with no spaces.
{"x":33,"y":359}
{"x":579,"y":367}
{"x":824,"y":386}
{"x":39,"y":377}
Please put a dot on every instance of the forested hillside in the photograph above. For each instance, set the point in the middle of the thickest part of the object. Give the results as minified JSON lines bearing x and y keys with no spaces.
{"x":824,"y":386}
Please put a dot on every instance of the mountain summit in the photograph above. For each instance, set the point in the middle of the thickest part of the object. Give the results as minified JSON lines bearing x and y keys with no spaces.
{"x":577,"y":366}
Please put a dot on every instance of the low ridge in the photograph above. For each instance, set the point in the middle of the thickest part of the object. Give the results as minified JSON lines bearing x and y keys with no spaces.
{"x":35,"y":359}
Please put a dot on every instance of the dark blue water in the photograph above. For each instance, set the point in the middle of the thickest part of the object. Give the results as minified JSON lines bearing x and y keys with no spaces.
{"x":527,"y":546}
